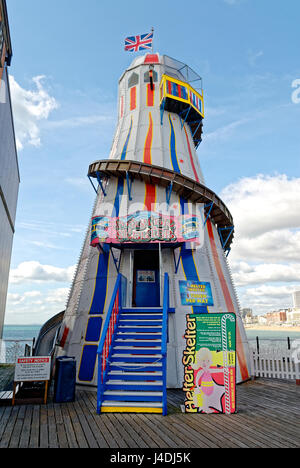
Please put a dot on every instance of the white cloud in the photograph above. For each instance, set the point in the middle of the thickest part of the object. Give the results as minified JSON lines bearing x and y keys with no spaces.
{"x":34,"y":272}
{"x":75,"y":122}
{"x":265,"y":255}
{"x":264,"y":273}
{"x":254,"y":56}
{"x":52,"y":229}
{"x":35,"y":307}
{"x":264,"y":203}
{"x":80,"y":183}
{"x":225,"y":132}
{"x":58,"y":296}
{"x":30,"y":107}
{"x":271,"y":291}
{"x":279,"y":246}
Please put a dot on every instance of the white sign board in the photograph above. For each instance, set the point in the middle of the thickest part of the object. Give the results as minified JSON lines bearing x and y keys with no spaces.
{"x":33,"y":369}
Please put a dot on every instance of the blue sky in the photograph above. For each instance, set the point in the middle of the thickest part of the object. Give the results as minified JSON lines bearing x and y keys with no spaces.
{"x":68,"y":57}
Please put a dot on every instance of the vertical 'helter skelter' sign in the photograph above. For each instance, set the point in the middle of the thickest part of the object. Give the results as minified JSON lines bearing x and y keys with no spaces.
{"x":210,"y":364}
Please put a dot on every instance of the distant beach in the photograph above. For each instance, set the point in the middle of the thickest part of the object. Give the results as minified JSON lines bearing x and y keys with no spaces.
{"x":274,"y":328}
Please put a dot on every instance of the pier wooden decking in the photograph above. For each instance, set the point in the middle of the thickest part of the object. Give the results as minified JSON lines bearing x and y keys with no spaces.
{"x":269,"y":417}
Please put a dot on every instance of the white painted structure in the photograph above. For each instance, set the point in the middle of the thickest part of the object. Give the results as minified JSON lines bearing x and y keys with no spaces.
{"x":147,"y":135}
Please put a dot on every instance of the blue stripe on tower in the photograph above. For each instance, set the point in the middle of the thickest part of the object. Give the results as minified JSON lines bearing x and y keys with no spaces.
{"x":188,"y":263}
{"x":98,"y":303}
{"x":125,"y":148}
{"x":102,"y":271}
{"x":173,"y":151}
{"x":89,"y":352}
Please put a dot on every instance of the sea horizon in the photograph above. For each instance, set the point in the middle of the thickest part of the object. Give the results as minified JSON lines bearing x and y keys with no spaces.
{"x":30,"y":331}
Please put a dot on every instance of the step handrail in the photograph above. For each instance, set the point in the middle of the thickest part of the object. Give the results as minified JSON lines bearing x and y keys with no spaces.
{"x":108,"y":336}
{"x":166,"y":307}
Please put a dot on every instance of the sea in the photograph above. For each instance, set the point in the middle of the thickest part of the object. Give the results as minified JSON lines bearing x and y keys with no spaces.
{"x":21,"y":332}
{"x":14,"y":341}
{"x":28,"y":332}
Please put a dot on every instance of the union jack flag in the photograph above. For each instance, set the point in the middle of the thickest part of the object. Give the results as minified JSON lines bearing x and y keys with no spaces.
{"x":136,"y":43}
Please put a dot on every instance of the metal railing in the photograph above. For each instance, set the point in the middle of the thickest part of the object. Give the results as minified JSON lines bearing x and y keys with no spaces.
{"x":166,"y":308}
{"x":182,"y":92}
{"x":108,"y":336}
{"x":10,"y":350}
{"x":259,"y":344}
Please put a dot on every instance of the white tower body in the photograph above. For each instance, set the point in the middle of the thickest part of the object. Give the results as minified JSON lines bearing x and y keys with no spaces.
{"x":152,"y":136}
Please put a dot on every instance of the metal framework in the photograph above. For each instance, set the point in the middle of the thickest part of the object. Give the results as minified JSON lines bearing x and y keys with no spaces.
{"x":184,"y":186}
{"x":189,"y":111}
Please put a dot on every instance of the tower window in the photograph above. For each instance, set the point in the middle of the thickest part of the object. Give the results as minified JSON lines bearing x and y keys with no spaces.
{"x":147,"y":77}
{"x":133,"y":80}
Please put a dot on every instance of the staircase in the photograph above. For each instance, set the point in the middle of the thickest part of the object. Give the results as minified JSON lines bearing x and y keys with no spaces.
{"x":134,"y":372}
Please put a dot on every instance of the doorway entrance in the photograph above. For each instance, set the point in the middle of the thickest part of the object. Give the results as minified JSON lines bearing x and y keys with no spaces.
{"x":146,"y":283}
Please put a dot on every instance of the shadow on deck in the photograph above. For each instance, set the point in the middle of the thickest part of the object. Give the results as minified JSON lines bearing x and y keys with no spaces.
{"x":268,"y":417}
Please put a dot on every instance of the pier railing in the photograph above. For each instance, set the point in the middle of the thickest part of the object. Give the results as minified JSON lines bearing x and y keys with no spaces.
{"x":10,"y":350}
{"x":277,"y":364}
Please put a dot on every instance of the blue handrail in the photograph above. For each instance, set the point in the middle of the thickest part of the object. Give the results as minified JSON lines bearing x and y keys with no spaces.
{"x":109,"y":326}
{"x":166,"y":307}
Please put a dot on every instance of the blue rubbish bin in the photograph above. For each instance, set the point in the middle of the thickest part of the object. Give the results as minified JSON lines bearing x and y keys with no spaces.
{"x":65,"y":380}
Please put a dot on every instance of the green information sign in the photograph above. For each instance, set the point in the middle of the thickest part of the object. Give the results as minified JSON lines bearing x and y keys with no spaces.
{"x":210,"y":364}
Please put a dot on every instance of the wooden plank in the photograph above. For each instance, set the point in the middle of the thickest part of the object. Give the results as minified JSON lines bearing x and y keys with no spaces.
{"x":4,"y":420}
{"x":44,"y":440}
{"x":84,"y":419}
{"x":79,"y":433}
{"x":52,"y":429}
{"x":126,"y":421}
{"x":131,"y":443}
{"x":88,"y":411}
{"x":147,"y":433}
{"x":181,"y":426}
{"x":268,"y":417}
{"x":70,"y":431}
{"x":17,"y":431}
{"x":171,"y":439}
{"x":207,"y":433}
{"x":108,"y":430}
{"x":26,"y":429}
{"x":35,"y":428}
{"x":9,"y":427}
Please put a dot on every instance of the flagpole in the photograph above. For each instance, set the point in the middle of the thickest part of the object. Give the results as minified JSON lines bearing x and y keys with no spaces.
{"x":152,"y":30}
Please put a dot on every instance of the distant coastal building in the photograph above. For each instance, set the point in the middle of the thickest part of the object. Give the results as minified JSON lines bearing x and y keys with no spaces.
{"x":248,"y":318}
{"x":247,"y":313}
{"x":294,"y":317}
{"x":262,"y":320}
{"x":279,"y":316}
{"x":296,"y":299}
{"x":9,"y":170}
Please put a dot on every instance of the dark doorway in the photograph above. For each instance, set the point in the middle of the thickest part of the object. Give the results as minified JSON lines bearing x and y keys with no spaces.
{"x":146,"y":285}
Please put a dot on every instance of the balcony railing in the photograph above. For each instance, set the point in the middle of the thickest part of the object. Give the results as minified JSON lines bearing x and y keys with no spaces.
{"x":182,"y":92}
{"x":179,"y":97}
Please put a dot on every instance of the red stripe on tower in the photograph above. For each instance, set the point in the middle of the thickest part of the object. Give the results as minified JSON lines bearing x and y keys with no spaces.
{"x":229,"y":304}
{"x":133,"y":98}
{"x":150,"y":95}
{"x":150,"y":189}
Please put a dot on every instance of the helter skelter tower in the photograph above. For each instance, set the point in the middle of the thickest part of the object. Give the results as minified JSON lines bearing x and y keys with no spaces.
{"x":131,"y":267}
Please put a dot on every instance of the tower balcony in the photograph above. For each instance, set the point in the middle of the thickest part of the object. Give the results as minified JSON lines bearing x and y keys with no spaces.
{"x":181,"y":98}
